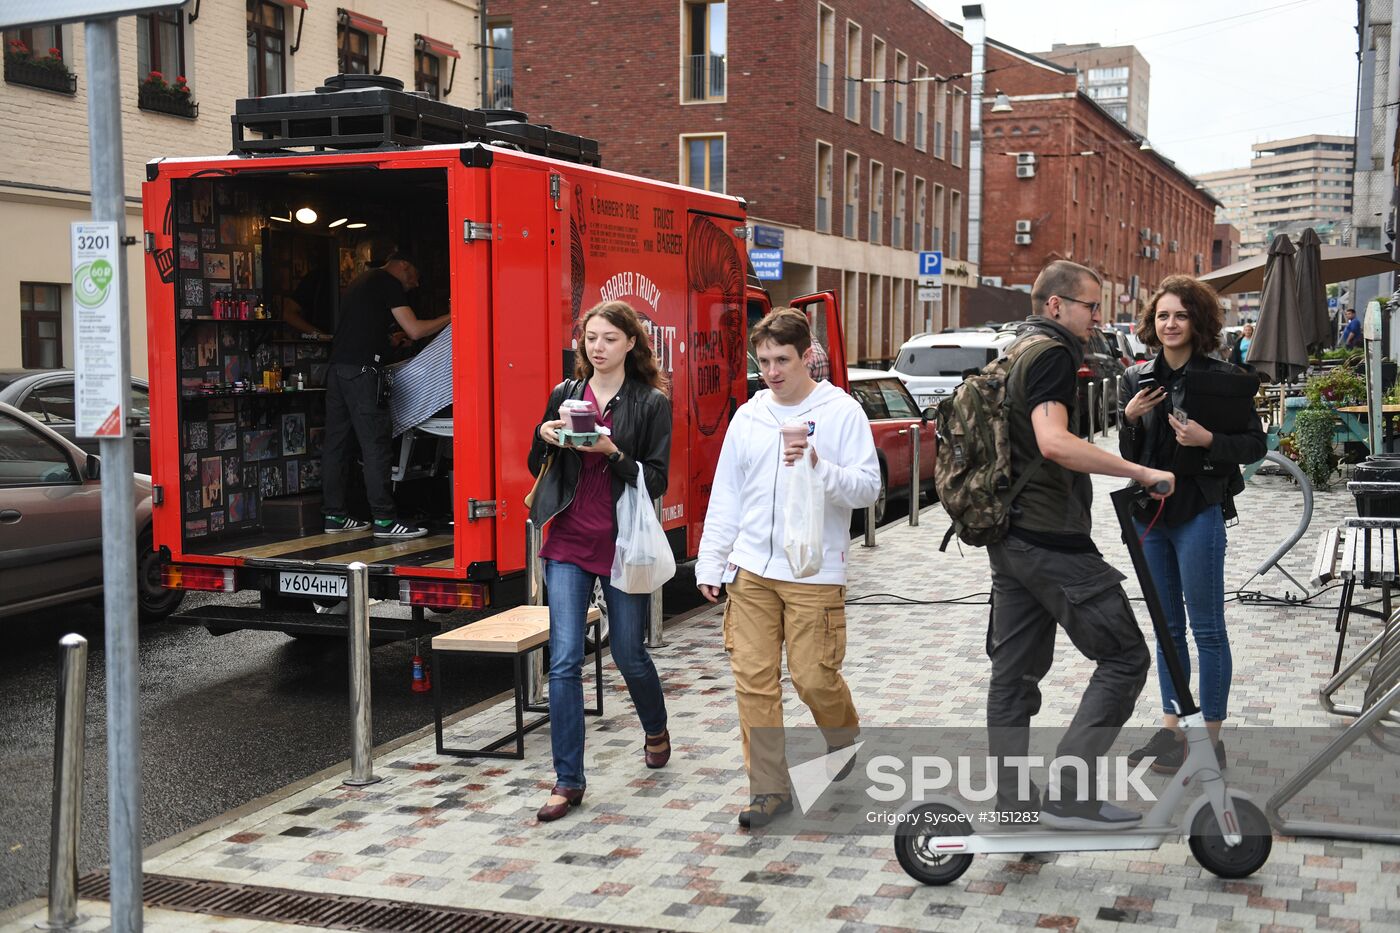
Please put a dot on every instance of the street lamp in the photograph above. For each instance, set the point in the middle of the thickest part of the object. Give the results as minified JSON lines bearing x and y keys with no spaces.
{"x":1002,"y":103}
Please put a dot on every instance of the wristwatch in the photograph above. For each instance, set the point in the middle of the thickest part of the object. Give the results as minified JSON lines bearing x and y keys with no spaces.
{"x":615,"y":457}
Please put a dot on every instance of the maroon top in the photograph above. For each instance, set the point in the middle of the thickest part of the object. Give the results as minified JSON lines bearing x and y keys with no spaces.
{"x":585,"y":533}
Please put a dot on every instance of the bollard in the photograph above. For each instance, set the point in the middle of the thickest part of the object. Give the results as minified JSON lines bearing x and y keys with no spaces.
{"x":361,"y":725}
{"x":534,"y":596}
{"x":656,"y":636}
{"x":914,"y":482}
{"x":1092,"y":408}
{"x":1105,"y":402}
{"x":870,"y":525}
{"x":69,"y":731}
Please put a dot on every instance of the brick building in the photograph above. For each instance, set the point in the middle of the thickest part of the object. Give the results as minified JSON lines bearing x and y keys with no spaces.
{"x":1064,"y":180}
{"x":44,"y":174}
{"x":772,"y":101}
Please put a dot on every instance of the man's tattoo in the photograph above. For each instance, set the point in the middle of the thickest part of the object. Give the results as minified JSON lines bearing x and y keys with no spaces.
{"x":1045,"y":408}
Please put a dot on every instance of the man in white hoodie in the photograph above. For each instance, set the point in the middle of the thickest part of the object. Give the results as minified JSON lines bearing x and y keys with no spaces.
{"x":742,"y":546}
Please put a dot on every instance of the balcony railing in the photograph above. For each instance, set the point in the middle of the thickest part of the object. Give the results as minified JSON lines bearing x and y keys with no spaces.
{"x":704,"y":77}
{"x":501,"y":92}
{"x":823,"y":85}
{"x":45,"y":77}
{"x":852,"y":96}
{"x":178,"y":105}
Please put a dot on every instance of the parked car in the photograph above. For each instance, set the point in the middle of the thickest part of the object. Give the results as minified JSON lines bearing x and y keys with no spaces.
{"x":891,"y":410}
{"x":1130,"y":350}
{"x":46,"y":395}
{"x":1102,"y":365}
{"x":1131,"y":342}
{"x":51,"y":524}
{"x":933,"y":365}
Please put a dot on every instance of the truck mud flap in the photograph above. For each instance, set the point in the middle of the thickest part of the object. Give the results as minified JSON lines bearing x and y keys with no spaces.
{"x":220,"y":620}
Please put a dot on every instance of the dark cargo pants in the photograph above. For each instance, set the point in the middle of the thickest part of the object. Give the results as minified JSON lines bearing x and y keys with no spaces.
{"x":353,"y":413}
{"x":1033,"y":588}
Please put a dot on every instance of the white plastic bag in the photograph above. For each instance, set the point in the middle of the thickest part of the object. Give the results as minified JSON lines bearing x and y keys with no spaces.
{"x":803,"y":516}
{"x":642,"y":560}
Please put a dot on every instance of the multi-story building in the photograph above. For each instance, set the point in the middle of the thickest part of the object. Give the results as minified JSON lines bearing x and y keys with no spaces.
{"x":1224,"y":246}
{"x":182,"y":71}
{"x":842,"y":123}
{"x":1231,"y":188}
{"x":1117,"y":78}
{"x":1063,"y":179}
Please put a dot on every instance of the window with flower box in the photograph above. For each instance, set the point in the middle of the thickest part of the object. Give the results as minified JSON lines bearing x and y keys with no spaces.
{"x":34,"y":58}
{"x":160,"y":60}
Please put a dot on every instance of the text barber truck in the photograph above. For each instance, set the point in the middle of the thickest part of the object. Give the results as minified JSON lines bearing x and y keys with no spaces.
{"x":516,"y":231}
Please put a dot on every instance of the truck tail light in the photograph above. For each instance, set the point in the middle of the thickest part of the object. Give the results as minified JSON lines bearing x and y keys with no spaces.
{"x":1085,"y":372}
{"x":437,"y":594}
{"x":185,"y":577}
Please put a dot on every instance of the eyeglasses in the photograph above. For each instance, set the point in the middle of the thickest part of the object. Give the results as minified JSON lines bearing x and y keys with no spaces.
{"x":1093,"y":306}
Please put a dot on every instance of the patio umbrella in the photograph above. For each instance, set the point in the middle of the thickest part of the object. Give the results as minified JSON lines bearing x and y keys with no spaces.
{"x":1312,"y":293}
{"x":1336,"y":264}
{"x":1279,"y":349}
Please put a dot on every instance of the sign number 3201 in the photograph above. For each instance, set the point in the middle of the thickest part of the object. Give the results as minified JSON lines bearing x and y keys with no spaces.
{"x":97,"y":242}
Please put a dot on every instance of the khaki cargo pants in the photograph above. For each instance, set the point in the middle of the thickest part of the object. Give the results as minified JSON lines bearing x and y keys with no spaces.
{"x":761,"y":617}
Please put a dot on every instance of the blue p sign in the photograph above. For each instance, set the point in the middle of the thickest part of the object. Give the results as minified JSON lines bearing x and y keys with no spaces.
{"x":931,"y":263}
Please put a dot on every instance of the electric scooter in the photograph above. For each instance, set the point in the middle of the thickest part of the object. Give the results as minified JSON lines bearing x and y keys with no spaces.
{"x":936,"y":840}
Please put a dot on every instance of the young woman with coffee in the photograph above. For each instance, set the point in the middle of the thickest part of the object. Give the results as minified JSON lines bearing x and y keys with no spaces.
{"x":618,"y":384}
{"x":1184,"y":535}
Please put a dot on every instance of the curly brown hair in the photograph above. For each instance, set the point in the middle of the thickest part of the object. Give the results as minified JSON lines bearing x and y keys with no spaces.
{"x":641,"y":361}
{"x":1201,"y":303}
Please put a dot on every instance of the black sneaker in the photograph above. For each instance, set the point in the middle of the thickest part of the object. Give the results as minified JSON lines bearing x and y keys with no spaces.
{"x":1171,"y":761}
{"x":1087,"y":815}
{"x":389,"y":528}
{"x":764,"y":809}
{"x":339,"y":524}
{"x":1163,"y":741}
{"x":845,"y":770}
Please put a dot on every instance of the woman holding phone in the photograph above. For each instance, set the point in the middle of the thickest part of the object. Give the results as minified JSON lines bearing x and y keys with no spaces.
{"x":1184,"y":537}
{"x":576,"y":498}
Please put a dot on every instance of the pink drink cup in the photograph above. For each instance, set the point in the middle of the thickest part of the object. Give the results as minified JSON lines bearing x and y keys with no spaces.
{"x":792,"y":433}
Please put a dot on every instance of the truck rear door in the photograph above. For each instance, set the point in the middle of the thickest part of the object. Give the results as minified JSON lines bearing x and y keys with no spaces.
{"x":824,"y":314}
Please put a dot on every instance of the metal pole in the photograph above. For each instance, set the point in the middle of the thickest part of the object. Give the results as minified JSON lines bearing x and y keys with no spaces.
{"x":1104,"y":401}
{"x":118,"y":505}
{"x":1372,"y":328}
{"x":1118,"y":394}
{"x":1093,"y":408}
{"x":534,"y":596}
{"x":361,"y":719}
{"x":656,"y":636}
{"x":870,"y":525}
{"x":70,"y":729}
{"x":914,"y":482}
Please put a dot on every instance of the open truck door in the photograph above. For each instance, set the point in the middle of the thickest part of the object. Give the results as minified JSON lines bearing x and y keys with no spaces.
{"x":824,"y":315}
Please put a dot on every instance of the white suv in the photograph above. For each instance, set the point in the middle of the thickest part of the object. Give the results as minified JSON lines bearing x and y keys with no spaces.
{"x":933,"y":365}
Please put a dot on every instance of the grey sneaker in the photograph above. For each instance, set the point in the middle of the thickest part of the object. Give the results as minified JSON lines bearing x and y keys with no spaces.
{"x":1090,"y":815}
{"x":339,"y":524}
{"x":389,"y":528}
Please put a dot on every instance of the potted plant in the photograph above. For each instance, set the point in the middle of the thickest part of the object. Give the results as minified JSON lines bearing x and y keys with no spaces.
{"x":48,"y":72}
{"x":1335,"y":388}
{"x":162,"y":96}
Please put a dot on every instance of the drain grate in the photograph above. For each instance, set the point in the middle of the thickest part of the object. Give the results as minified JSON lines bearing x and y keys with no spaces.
{"x":329,"y":911}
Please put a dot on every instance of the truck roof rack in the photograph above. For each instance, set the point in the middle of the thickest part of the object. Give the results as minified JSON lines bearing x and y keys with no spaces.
{"x":359,"y":112}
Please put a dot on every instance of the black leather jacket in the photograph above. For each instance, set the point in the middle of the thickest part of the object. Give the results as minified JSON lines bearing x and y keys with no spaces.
{"x":641,"y":429}
{"x":1221,"y":476}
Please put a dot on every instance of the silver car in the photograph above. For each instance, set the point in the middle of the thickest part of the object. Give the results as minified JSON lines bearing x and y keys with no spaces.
{"x":51,"y":524}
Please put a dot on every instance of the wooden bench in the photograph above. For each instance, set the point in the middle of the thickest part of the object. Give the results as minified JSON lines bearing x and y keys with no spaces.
{"x":1360,"y":551}
{"x":515,"y":632}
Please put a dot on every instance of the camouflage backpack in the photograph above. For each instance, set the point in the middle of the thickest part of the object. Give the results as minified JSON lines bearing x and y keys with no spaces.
{"x":972,"y":471}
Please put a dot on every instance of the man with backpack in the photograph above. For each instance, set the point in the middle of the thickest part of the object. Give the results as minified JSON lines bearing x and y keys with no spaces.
{"x":1045,"y":567}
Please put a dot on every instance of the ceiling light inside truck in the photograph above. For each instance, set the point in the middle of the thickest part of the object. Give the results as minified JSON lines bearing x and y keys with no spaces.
{"x":336,"y":223}
{"x":356,"y":226}
{"x":305,"y":215}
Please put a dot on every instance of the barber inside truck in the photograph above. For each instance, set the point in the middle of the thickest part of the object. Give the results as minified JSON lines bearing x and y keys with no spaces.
{"x":357,"y":407}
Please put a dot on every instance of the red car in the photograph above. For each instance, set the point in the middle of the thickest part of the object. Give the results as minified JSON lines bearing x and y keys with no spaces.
{"x":892,"y":410}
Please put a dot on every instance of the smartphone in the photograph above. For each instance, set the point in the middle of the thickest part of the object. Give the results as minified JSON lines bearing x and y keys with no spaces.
{"x":1147,"y":382}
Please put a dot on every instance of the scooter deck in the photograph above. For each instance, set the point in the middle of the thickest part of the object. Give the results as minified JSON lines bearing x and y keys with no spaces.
{"x":1064,"y":840}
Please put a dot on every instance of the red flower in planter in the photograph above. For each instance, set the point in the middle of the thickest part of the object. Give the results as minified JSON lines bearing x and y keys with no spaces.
{"x":56,"y":53}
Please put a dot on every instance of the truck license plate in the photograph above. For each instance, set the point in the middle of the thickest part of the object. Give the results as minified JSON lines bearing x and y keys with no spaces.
{"x":314,"y":584}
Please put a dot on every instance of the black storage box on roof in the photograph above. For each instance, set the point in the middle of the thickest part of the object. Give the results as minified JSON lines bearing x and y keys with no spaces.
{"x":375,"y":112}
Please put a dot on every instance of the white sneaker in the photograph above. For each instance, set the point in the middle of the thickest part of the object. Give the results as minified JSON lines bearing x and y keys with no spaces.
{"x":388,"y":528}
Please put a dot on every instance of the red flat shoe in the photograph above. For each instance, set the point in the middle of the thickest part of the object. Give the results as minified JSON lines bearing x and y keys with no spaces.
{"x":657,"y":759}
{"x":573,"y":796}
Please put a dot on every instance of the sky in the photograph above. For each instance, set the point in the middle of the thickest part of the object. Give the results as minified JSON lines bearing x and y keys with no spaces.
{"x":1225,"y":75}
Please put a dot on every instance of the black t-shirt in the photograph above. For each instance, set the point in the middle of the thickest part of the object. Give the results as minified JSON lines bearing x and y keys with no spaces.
{"x":1052,"y":378}
{"x":362,"y":335}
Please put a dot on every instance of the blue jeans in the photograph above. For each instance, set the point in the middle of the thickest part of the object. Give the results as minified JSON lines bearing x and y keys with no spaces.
{"x":1188,"y":569}
{"x":570,"y":591}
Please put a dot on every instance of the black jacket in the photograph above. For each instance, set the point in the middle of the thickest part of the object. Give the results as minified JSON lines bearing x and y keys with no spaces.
{"x":641,"y":429}
{"x":1221,"y":478}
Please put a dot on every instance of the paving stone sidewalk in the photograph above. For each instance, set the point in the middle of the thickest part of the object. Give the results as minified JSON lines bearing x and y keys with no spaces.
{"x":662,"y":848}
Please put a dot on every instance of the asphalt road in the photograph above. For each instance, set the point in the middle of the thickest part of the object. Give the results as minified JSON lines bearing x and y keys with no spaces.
{"x":223,"y":721}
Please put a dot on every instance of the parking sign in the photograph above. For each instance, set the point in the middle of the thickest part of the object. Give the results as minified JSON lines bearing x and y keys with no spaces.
{"x":930,"y":263}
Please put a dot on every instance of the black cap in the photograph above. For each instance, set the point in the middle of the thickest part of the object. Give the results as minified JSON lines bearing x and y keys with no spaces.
{"x":402,"y":256}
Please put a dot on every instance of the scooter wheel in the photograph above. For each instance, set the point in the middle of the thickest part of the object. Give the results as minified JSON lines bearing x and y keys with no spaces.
{"x":916,"y":839}
{"x":1241,"y":861}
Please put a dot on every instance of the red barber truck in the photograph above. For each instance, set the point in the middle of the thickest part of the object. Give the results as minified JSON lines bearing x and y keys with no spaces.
{"x":517,"y":231}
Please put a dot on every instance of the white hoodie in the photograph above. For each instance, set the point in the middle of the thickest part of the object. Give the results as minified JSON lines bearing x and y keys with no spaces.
{"x":744,"y":522}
